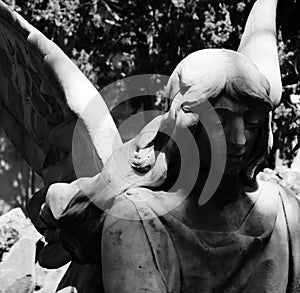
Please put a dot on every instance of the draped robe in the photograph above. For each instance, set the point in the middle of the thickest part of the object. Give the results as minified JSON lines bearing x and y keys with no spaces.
{"x":256,"y":249}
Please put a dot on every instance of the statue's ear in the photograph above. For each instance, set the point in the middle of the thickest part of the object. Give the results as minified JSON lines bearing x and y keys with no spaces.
{"x":152,"y":140}
{"x":142,"y":150}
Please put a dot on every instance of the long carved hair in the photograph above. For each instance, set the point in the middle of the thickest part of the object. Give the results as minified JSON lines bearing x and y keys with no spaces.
{"x":203,"y":76}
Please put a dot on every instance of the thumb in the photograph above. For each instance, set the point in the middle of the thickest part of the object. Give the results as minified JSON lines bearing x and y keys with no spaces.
{"x":58,"y":197}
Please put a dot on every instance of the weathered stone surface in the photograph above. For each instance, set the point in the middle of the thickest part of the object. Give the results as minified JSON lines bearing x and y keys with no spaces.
{"x":47,"y":280}
{"x":17,"y":220}
{"x":17,"y":271}
{"x":25,"y":284}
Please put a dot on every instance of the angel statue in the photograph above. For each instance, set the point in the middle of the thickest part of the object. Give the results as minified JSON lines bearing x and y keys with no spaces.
{"x":142,"y":218}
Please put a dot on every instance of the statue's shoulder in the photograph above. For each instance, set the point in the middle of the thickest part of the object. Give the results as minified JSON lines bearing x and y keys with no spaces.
{"x":271,"y":190}
{"x":140,"y":203}
{"x":135,"y":238}
{"x":286,"y":199}
{"x":289,"y":194}
{"x":291,"y":209}
{"x":291,"y":205}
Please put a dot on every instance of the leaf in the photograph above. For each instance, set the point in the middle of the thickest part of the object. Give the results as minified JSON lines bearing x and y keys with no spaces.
{"x":179,"y":3}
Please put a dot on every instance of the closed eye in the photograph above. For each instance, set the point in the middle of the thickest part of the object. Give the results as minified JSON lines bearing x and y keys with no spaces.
{"x":252,"y":118}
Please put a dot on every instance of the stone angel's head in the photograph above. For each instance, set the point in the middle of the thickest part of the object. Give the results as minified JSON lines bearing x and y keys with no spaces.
{"x":223,"y":100}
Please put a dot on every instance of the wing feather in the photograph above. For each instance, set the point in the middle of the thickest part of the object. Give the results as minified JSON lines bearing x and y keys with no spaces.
{"x":42,"y":95}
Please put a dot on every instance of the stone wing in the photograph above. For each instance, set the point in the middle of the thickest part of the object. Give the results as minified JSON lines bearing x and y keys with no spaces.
{"x":44,"y":99}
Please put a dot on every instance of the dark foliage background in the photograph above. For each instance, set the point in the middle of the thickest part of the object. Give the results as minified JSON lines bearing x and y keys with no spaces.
{"x":113,"y":39}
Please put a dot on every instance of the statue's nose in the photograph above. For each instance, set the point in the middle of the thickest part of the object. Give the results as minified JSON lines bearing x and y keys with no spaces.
{"x":238,"y":135}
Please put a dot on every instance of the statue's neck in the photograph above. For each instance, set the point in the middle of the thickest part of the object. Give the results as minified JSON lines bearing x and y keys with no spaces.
{"x":228,"y":190}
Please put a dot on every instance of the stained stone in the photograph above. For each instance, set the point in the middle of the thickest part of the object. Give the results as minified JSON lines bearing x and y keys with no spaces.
{"x":17,"y":272}
{"x":16,"y":219}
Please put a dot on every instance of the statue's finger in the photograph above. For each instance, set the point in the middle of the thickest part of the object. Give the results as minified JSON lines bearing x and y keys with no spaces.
{"x":58,"y":197}
{"x":47,"y":217}
{"x":34,"y":208}
{"x":52,"y":235}
{"x":54,"y":256}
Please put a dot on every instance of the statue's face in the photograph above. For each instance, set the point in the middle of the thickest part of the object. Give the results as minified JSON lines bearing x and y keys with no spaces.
{"x":241,"y":124}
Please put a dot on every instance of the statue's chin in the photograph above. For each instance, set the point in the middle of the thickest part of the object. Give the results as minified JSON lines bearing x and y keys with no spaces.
{"x":233,"y":166}
{"x":231,"y":172}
